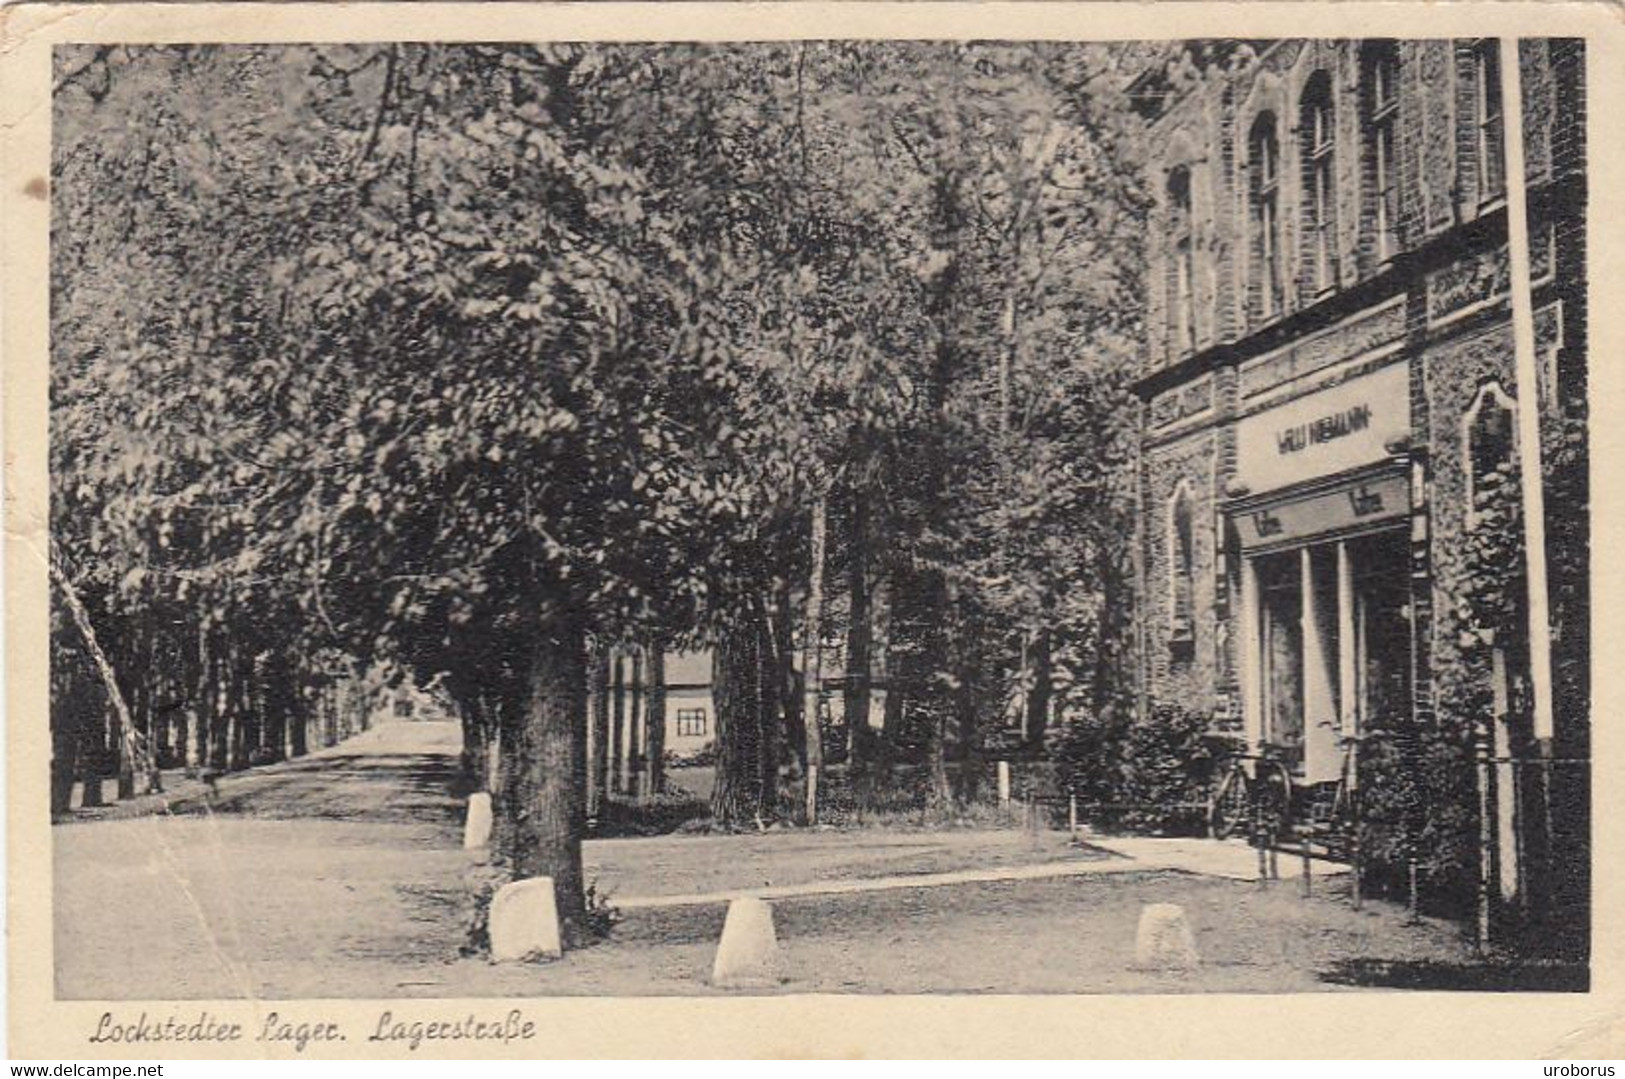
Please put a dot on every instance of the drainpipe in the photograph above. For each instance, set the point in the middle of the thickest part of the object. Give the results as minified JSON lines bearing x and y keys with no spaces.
{"x":1528,"y":382}
{"x":1142,"y":604}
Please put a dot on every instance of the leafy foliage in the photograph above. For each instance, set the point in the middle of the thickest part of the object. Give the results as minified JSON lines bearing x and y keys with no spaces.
{"x":392,"y":357}
{"x":1141,"y":776}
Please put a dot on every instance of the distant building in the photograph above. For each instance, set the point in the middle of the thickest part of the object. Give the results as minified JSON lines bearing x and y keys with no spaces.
{"x":691,"y":712}
{"x":691,"y":715}
{"x":1330,"y":410}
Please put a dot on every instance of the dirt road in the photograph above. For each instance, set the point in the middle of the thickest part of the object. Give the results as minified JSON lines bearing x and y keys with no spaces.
{"x":341,"y":875}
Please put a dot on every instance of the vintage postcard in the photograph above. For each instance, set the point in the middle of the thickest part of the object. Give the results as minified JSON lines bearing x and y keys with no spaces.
{"x":835,"y":529}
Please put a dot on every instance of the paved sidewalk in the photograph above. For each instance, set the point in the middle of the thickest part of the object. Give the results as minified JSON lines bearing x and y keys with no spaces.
{"x":1130,"y":854}
{"x":886,"y":884}
{"x":1232,"y":859}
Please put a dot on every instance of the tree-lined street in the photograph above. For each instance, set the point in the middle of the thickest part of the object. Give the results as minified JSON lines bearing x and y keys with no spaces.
{"x":467,"y":365}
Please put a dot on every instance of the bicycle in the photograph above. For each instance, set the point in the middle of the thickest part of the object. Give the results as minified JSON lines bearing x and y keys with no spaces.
{"x":1253,"y":792}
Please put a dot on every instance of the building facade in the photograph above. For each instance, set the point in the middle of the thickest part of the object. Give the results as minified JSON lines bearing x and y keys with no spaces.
{"x":1329,"y":468}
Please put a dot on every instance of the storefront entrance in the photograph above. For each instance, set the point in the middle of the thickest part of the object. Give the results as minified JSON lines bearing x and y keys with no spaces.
{"x":1319,"y":525}
{"x":1334,"y":645}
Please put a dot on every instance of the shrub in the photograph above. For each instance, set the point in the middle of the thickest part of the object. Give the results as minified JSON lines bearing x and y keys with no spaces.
{"x":1088,"y":757}
{"x":1165,"y":770}
{"x":1142,"y":776}
{"x":1419,"y":803}
{"x":703,"y":757}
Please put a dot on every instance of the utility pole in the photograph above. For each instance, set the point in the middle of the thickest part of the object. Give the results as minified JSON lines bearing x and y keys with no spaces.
{"x":1528,"y":381}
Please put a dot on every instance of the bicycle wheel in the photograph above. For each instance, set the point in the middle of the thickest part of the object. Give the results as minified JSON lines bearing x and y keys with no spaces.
{"x":1229,"y":810}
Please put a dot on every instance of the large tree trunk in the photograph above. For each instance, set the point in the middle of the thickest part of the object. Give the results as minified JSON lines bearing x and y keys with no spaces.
{"x":278,"y":694}
{"x":617,"y":727}
{"x":64,"y":750}
{"x":859,"y":636}
{"x":92,"y":761}
{"x":776,"y":703}
{"x":940,"y":706}
{"x":735,"y":687}
{"x":599,"y":768}
{"x":637,"y":724}
{"x":783,"y":680}
{"x":657,"y":719}
{"x":1038,"y":696}
{"x":967,"y":711}
{"x":299,"y":735}
{"x":891,"y":730}
{"x":475,"y":761}
{"x":938,"y":791}
{"x":544,"y":768}
{"x":241,"y":707}
{"x":812,"y":655}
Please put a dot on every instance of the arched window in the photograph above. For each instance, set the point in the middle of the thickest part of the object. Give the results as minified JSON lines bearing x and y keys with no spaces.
{"x":1487,"y":131}
{"x":1264,"y":161}
{"x":1182,"y":565}
{"x":1379,"y":101}
{"x":1182,"y":301}
{"x":1318,"y":133}
{"x":1489,"y":447}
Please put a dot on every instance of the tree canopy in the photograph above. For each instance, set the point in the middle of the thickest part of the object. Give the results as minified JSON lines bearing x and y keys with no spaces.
{"x":466,"y":357}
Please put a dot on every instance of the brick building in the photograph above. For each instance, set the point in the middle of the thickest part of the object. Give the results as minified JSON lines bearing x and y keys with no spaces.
{"x":1330,"y":413}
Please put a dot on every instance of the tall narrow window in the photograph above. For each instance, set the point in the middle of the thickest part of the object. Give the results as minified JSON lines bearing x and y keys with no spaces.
{"x":1487,"y":119}
{"x":1319,"y":179}
{"x":1380,"y":73}
{"x":1182,"y":566}
{"x":1264,"y":156}
{"x":1183,"y":303}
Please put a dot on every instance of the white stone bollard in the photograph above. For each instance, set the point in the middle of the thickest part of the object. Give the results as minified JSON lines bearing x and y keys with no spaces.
{"x":477,"y":824}
{"x":748,"y":954}
{"x":1164,"y":940}
{"x":525,"y":921}
{"x":1004,"y":783}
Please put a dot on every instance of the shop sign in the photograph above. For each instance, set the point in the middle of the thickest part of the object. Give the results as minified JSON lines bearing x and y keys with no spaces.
{"x":1321,"y":434}
{"x":1355,"y":505}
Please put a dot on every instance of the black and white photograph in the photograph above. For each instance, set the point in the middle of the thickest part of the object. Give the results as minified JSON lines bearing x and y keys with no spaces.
{"x":836,"y":515}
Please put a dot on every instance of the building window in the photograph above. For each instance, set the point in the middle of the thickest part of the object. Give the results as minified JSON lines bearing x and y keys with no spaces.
{"x":1379,"y":75}
{"x":1490,"y":444}
{"x":1488,"y":134}
{"x":1182,"y":566}
{"x":1182,"y":305}
{"x":1264,"y":157}
{"x":691,"y":723}
{"x":1320,"y":192}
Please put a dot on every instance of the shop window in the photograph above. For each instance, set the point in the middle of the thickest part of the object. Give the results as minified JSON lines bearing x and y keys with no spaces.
{"x":691,"y":723}
{"x":1379,"y":74}
{"x":1264,"y":162}
{"x":1182,"y":567}
{"x":1281,"y":605}
{"x":1489,"y":444}
{"x":1182,"y":302}
{"x":1488,"y":134}
{"x":1317,"y":132}
{"x":1382,"y":629}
